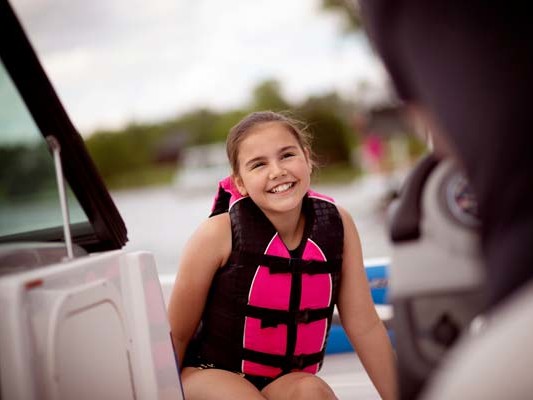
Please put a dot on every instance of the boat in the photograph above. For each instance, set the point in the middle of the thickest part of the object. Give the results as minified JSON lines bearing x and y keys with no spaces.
{"x":202,"y":168}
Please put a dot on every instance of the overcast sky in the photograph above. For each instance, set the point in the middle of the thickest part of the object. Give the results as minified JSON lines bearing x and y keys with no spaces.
{"x":117,"y":61}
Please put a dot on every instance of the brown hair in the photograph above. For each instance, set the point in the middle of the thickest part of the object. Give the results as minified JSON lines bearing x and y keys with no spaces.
{"x":239,"y":132}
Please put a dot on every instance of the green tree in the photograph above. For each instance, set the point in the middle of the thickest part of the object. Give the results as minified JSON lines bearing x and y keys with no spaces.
{"x":333,"y":138}
{"x":348,"y":8}
{"x":25,"y":170}
{"x":224,"y":123}
{"x":267,"y":96}
{"x":199,"y":126}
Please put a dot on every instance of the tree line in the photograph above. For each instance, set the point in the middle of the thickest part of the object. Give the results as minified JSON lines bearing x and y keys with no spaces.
{"x":133,"y":156}
{"x":138,"y":155}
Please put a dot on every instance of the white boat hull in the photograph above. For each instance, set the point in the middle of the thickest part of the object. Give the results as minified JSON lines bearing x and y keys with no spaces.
{"x":92,"y":328}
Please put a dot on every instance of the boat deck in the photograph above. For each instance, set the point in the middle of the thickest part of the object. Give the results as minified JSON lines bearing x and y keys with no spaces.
{"x":347,"y":377}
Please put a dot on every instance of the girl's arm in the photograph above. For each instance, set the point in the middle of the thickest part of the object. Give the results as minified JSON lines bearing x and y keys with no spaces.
{"x":207,"y":250}
{"x":359,"y":317}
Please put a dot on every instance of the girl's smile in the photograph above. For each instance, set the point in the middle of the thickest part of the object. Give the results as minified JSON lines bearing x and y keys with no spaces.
{"x":282,"y":187}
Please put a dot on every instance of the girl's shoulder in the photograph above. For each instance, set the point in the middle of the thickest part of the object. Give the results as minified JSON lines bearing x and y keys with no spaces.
{"x":343,"y":212}
{"x":216,"y":226}
{"x":214,"y":236}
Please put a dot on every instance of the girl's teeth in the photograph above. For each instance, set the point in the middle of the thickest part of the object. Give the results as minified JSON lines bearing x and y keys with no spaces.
{"x":282,"y":188}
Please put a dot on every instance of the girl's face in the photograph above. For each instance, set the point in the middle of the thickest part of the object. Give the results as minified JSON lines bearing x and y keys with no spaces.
{"x":273,"y":169}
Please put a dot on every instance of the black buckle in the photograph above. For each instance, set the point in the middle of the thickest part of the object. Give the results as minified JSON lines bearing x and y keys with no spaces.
{"x":303,"y":316}
{"x":270,"y":322}
{"x":298,"y":362}
{"x":295,"y":264}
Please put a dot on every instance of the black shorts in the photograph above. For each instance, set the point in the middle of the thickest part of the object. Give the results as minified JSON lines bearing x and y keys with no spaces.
{"x":258,"y":381}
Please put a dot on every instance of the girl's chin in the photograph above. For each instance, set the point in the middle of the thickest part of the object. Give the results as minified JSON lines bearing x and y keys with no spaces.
{"x":282,"y":205}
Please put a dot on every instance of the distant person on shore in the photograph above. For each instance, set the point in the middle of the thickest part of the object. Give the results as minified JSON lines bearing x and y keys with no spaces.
{"x":254,"y":294}
{"x":467,"y":67}
{"x":372,"y":153}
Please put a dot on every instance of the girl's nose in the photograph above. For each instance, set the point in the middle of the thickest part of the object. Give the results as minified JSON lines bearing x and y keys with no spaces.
{"x":276,"y":171}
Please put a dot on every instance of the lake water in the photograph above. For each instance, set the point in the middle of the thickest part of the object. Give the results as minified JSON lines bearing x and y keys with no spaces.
{"x":162,"y":219}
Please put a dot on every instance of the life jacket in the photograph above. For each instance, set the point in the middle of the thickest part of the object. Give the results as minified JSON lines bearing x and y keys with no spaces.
{"x":269,"y":313}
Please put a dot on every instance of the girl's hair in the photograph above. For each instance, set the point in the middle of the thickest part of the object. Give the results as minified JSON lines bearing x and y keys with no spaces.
{"x":239,"y":132}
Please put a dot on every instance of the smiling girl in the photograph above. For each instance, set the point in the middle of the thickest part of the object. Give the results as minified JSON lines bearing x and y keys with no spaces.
{"x":253,"y":300}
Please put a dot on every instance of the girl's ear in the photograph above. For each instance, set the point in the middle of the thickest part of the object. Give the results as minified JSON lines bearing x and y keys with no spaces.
{"x":237,"y":180}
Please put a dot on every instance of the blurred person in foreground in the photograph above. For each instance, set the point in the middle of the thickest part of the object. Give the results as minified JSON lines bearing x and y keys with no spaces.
{"x":467,"y":68}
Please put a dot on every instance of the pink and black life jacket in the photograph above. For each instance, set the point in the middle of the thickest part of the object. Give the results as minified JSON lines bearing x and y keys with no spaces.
{"x":269,"y":312}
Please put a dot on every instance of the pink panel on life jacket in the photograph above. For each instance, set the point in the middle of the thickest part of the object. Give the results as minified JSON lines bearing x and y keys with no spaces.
{"x":271,"y":340}
{"x":316,"y":289}
{"x":271,"y":290}
{"x":310,"y":337}
{"x":229,"y":186}
{"x":267,"y":340}
{"x":316,"y":293}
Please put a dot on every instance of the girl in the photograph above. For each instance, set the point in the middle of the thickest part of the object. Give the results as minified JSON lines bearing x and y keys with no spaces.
{"x":254,"y":295}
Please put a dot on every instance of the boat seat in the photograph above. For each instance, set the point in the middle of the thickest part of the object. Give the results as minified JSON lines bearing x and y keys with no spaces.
{"x":493,"y":362}
{"x":436,"y":284}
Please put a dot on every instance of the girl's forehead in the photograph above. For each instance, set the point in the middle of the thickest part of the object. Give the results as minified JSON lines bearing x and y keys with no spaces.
{"x":268,"y":135}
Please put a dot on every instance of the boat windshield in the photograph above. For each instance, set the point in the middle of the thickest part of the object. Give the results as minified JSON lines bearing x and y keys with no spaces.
{"x":29,"y":199}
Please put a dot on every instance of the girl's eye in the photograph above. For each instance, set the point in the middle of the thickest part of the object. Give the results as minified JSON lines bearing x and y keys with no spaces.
{"x":287,"y":155}
{"x":257,"y":165}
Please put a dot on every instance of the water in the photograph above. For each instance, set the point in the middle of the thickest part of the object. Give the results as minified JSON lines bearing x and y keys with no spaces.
{"x":162,"y":219}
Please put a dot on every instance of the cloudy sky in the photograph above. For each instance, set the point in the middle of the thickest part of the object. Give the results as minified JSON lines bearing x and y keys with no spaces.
{"x":117,"y":61}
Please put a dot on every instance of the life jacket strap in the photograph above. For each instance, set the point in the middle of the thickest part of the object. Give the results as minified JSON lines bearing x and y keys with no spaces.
{"x":287,"y":363}
{"x":282,"y":265}
{"x":271,"y":318}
